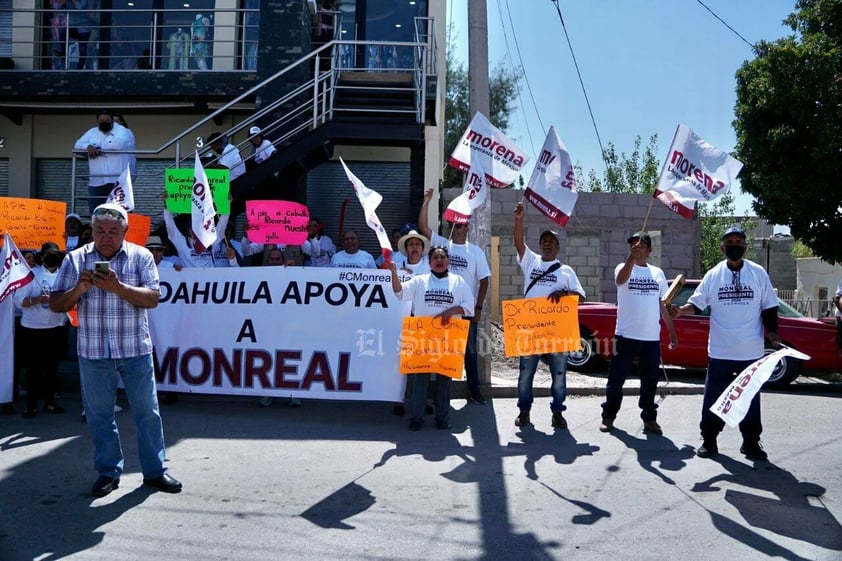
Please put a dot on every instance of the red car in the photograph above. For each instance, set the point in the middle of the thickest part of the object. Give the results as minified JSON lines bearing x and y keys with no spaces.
{"x":816,"y":338}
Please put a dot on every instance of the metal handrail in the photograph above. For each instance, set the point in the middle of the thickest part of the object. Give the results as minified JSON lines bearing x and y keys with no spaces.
{"x":51,"y":36}
{"x":320,"y":101}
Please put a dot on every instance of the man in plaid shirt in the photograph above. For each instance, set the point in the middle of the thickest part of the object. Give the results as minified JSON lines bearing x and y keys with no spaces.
{"x":114,"y":282}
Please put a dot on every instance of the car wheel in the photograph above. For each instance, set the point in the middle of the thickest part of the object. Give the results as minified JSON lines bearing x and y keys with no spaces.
{"x":785,"y":372}
{"x":587,"y":358}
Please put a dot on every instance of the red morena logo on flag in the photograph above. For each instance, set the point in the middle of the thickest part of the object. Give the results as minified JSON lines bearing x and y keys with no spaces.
{"x":546,"y":158}
{"x":199,"y":190}
{"x":681,"y":164}
{"x":495,"y":147}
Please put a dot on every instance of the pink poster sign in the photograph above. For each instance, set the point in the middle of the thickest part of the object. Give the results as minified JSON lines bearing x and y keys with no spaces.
{"x":277,"y":222}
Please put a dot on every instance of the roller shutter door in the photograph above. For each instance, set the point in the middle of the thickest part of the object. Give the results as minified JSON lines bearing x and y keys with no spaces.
{"x":53,"y":183}
{"x":328,"y":187}
{"x":4,"y":177}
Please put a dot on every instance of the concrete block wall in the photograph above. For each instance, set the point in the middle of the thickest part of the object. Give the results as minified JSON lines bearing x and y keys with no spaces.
{"x":594,"y":240}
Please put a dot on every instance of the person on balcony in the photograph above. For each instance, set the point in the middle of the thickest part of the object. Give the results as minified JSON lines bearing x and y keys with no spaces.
{"x":199,"y":31}
{"x":80,"y":29}
{"x":104,"y":165}
{"x":263,"y":149}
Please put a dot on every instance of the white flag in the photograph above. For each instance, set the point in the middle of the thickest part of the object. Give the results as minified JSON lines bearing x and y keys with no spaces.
{"x":473,"y":196}
{"x":370,"y":200}
{"x":15,"y":273}
{"x":734,"y":402}
{"x":203,"y":210}
{"x":485,"y":145}
{"x":123,"y":193}
{"x":694,"y":171}
{"x":552,"y":187}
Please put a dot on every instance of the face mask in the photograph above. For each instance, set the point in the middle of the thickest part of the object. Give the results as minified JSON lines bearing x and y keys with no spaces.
{"x":105,"y":127}
{"x":734,"y":252}
{"x":52,"y":260}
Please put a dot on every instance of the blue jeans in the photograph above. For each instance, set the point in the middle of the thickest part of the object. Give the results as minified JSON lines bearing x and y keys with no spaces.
{"x":418,"y":399}
{"x":99,"y":386}
{"x":472,"y":360}
{"x":721,"y":373}
{"x":649,"y":357}
{"x":557,"y":363}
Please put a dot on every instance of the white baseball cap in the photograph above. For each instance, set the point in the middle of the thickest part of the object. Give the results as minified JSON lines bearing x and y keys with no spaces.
{"x":254,"y":130}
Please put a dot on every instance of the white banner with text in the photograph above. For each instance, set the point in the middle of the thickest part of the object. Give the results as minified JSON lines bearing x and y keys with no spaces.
{"x":315,"y":333}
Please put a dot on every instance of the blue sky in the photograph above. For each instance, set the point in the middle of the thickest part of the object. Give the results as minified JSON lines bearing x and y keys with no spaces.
{"x":647,"y":65}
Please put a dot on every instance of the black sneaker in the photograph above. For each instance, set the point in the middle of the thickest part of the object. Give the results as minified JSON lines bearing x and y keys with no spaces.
{"x":708,"y":449}
{"x":522,"y":419}
{"x":558,"y":421}
{"x":476,"y":397}
{"x":753,"y":451}
{"x":442,"y":425}
{"x":53,"y":408}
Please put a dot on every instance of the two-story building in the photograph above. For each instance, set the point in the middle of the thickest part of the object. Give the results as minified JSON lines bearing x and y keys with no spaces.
{"x":361,"y":79}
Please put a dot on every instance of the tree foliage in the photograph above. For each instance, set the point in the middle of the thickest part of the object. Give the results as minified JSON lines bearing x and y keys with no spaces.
{"x":636,"y":173}
{"x":789,"y":127}
{"x":503,"y":87}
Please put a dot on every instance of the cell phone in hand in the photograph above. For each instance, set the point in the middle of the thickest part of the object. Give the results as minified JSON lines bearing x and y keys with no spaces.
{"x":102,"y":266}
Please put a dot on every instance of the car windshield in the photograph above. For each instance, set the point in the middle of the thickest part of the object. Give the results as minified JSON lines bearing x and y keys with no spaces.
{"x":787,"y":311}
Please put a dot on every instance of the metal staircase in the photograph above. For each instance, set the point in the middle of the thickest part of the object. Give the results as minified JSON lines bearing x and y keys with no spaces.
{"x":327,"y":100}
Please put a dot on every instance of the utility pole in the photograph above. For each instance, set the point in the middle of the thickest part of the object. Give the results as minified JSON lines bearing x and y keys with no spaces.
{"x":479,"y":101}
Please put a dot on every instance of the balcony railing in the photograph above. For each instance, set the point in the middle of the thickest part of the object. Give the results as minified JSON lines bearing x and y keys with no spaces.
{"x":136,"y":39}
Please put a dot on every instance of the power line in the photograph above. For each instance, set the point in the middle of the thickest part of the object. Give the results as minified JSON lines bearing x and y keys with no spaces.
{"x":523,"y":68}
{"x":734,"y":31}
{"x":512,"y":66}
{"x":581,"y":82}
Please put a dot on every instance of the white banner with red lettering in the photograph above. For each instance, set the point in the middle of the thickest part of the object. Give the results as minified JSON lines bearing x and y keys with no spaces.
{"x":734,"y":402}
{"x":694,"y":171}
{"x":315,"y":333}
{"x":123,"y":193}
{"x":202,"y":209}
{"x":485,"y":145}
{"x":552,"y":187}
{"x":473,"y":196}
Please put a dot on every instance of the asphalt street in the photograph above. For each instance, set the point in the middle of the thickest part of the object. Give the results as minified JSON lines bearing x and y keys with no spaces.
{"x":333,"y":480}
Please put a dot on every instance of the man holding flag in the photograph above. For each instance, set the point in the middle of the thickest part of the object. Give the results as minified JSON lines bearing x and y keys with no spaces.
{"x":742,"y":302}
{"x":468,"y":261}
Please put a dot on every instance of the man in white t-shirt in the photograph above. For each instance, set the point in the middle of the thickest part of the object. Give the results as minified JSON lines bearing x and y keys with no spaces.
{"x":742,"y":302}
{"x":352,"y":257}
{"x":543,"y":276}
{"x":468,"y":261}
{"x":640,"y":287}
{"x":228,"y":155}
{"x":263,"y":149}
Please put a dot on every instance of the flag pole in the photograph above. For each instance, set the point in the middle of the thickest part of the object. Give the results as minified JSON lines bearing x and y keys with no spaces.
{"x":663,"y":167}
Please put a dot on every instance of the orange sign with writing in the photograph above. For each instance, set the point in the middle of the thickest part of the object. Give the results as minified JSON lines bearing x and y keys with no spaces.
{"x":32,"y":222}
{"x":429,"y":346}
{"x":138,"y":228}
{"x":535,"y":326}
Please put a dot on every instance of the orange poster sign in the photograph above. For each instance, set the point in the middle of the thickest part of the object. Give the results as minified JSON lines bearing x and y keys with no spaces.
{"x":535,"y":326}
{"x":32,"y":222}
{"x":429,"y":346}
{"x":138,"y":228}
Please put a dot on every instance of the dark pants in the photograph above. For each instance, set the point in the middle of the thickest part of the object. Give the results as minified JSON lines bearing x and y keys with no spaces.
{"x":418,"y":400}
{"x":98,"y":195}
{"x":721,"y":373}
{"x":42,"y":352}
{"x":472,"y":359}
{"x":649,"y":358}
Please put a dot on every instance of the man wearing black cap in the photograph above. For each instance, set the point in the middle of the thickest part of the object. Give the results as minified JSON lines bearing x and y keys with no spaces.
{"x":742,"y":302}
{"x":544,"y":275}
{"x":640,"y":287}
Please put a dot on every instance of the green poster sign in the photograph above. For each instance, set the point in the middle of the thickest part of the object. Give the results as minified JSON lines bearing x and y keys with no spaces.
{"x":179,"y":185}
